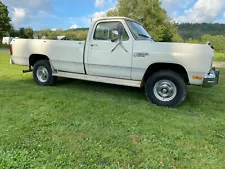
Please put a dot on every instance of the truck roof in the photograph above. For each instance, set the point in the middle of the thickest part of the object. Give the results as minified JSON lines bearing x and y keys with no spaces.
{"x":112,"y":18}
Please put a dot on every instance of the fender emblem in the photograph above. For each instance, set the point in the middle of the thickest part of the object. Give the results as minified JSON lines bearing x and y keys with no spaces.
{"x":141,"y":54}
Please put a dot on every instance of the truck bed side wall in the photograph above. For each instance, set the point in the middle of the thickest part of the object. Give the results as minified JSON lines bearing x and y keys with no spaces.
{"x":64,"y":55}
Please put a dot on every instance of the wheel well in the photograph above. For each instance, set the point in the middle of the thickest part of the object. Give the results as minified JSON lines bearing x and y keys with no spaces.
{"x":166,"y":66}
{"x":36,"y":57}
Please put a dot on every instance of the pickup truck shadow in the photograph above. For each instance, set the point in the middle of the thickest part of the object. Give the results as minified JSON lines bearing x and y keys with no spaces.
{"x":88,"y":86}
{"x":101,"y":87}
{"x":70,"y":85}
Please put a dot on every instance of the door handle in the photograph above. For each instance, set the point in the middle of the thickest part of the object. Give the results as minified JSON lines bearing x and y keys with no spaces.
{"x":93,"y":45}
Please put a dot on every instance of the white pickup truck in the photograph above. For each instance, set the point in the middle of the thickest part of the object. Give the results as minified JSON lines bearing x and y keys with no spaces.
{"x":119,"y":51}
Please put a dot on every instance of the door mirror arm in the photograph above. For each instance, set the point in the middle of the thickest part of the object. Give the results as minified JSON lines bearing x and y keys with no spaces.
{"x":119,"y":43}
{"x":117,"y":36}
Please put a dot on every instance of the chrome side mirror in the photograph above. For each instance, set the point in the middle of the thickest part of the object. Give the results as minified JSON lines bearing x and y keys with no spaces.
{"x":115,"y":36}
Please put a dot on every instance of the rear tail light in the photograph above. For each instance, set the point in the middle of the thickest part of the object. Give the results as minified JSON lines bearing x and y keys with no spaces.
{"x":10,"y":49}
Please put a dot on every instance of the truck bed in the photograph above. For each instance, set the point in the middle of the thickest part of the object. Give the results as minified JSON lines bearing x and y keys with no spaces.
{"x":64,"y":55}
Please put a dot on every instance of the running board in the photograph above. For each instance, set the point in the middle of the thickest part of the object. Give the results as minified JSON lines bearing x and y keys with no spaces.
{"x":108,"y":80}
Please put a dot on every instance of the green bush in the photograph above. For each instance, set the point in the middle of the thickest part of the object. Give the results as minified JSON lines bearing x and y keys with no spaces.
{"x":219,"y":57}
{"x":3,"y":46}
{"x":217,"y":41}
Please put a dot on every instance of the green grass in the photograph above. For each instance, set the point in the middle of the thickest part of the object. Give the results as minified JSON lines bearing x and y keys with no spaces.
{"x":3,"y":46}
{"x":79,"y":124}
{"x":220,"y":57}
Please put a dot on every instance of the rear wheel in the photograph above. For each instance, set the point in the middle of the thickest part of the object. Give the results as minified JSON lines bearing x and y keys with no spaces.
{"x":166,"y":88}
{"x":42,"y":73}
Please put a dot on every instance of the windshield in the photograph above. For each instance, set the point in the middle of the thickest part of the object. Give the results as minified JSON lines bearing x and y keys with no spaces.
{"x":138,"y":31}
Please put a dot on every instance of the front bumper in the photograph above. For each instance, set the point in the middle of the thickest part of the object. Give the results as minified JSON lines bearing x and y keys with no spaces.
{"x":212,"y":78}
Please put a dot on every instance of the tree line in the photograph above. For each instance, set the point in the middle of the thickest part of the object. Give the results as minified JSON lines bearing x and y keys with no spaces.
{"x":218,"y":41}
{"x":203,"y":32}
{"x":197,"y":30}
{"x":71,"y":34}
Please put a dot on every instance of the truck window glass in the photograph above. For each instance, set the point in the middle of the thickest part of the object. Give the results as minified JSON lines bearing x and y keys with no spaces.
{"x":138,"y":31}
{"x":104,"y":30}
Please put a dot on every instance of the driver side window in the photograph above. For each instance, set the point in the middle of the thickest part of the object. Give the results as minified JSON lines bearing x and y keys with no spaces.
{"x":104,"y":30}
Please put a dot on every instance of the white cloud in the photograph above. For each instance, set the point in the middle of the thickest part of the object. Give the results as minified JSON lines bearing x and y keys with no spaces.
{"x":18,"y":16}
{"x":24,"y":12}
{"x":86,"y":21}
{"x":99,"y":3}
{"x":83,"y":21}
{"x":29,"y":13}
{"x":54,"y":29}
{"x":99,"y":14}
{"x":74,"y":26}
{"x":224,"y":14}
{"x":203,"y":11}
{"x":105,"y":3}
{"x":194,"y":10}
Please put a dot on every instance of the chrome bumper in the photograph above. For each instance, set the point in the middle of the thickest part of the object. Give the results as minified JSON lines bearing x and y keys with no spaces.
{"x":212,"y":78}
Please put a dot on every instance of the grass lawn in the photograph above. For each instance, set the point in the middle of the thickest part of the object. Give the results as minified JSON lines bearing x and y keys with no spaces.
{"x":220,"y":57}
{"x":79,"y":124}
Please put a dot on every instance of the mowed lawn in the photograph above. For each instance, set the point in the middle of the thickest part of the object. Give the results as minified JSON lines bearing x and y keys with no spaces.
{"x":79,"y":124}
{"x":220,"y":57}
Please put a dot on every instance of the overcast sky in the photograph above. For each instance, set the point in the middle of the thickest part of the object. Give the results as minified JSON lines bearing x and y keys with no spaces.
{"x":58,"y":14}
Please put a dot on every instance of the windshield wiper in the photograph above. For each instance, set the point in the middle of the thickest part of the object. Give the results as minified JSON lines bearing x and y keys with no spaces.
{"x":145,"y":36}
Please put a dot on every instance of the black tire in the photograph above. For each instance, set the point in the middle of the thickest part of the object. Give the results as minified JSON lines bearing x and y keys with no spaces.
{"x":49,"y":80}
{"x":162,"y":80}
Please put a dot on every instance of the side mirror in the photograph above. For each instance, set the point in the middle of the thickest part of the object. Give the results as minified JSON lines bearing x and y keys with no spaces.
{"x":115,"y":36}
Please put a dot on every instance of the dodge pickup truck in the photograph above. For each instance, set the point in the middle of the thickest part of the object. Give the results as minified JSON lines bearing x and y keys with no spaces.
{"x":120,"y":51}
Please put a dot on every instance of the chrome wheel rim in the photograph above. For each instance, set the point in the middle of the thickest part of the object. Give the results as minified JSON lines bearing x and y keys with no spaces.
{"x":42,"y":74}
{"x":165,"y":90}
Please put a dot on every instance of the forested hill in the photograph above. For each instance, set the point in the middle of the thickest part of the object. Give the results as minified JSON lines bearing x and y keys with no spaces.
{"x":195,"y":31}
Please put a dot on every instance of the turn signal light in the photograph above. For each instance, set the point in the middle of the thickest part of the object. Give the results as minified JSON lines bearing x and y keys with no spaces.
{"x":197,"y":77}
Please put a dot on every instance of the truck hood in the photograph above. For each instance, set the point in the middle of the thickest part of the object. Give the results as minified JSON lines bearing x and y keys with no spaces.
{"x":186,"y":54}
{"x":183,"y":48}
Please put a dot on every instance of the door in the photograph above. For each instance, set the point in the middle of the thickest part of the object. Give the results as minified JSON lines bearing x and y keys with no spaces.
{"x":102,"y":60}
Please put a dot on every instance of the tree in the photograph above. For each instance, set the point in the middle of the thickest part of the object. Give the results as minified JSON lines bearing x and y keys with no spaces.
{"x":29,"y":33}
{"x":14,"y":33}
{"x":26,"y":33}
{"x":22,"y":32}
{"x":5,"y":25}
{"x":151,"y":16}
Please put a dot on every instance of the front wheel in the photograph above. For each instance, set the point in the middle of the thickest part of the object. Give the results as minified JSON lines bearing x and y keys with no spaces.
{"x":166,"y":88}
{"x":42,"y":73}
